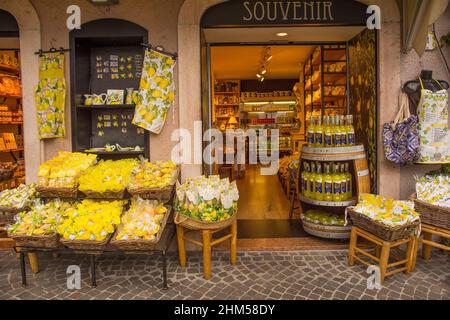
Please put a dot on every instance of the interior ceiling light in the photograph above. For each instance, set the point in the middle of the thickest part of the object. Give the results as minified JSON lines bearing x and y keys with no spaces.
{"x":258,"y":75}
{"x":282,"y":34}
{"x":264,"y":71}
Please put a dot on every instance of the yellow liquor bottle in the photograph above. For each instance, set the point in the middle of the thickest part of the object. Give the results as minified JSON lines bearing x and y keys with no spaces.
{"x":337,"y":184}
{"x":305,"y":180}
{"x":310,"y":131}
{"x":344,"y":135}
{"x":318,"y":133}
{"x":350,"y":129}
{"x":312,"y":182}
{"x":328,"y":133}
{"x":349,"y":180}
{"x":320,"y":194}
{"x":337,"y":132}
{"x":344,"y":188}
{"x":328,"y":184}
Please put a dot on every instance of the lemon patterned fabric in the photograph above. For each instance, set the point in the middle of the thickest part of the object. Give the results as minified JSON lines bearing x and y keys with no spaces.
{"x":156,"y":93}
{"x":51,"y":96}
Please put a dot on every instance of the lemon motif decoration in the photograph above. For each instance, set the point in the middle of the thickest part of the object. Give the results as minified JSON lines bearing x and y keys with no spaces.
{"x":50,"y":96}
{"x":156,"y":92}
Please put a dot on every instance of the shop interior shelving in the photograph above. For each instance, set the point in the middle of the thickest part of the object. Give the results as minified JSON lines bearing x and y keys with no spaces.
{"x":97,"y":42}
{"x":11,"y":121}
{"x":226,"y":102}
{"x":326,"y":81}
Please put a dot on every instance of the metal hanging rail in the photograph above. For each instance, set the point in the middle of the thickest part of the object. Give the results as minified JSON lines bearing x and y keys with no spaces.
{"x":52,"y":50}
{"x":160,"y":49}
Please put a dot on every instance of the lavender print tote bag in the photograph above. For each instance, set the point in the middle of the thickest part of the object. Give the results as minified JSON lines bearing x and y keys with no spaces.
{"x":401,"y":137}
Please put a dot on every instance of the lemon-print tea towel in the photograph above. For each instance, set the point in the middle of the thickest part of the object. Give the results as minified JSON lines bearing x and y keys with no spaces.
{"x":156,"y":92}
{"x":51,"y":96}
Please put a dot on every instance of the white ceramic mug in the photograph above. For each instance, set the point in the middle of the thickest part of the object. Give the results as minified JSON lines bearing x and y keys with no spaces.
{"x":99,"y":99}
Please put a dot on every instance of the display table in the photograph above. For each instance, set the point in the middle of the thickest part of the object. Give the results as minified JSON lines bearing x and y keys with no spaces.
{"x":161,"y":248}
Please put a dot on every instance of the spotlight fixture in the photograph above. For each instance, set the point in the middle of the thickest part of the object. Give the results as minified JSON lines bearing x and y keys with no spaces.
{"x":282,"y":34}
{"x":262,"y":79}
{"x":264,"y":71}
{"x":259,"y":76}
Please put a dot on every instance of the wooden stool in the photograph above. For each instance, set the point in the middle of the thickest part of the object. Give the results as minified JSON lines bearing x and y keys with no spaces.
{"x":207,"y":243}
{"x":383,"y":252}
{"x":428,"y":231}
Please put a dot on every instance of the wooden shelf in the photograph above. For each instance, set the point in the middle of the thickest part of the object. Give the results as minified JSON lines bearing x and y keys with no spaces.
{"x":8,"y":96}
{"x":10,"y":123}
{"x":10,"y":69}
{"x":12,"y":150}
{"x":227,"y":105}
{"x":272,"y":100}
{"x":328,"y":203}
{"x":226,"y":93}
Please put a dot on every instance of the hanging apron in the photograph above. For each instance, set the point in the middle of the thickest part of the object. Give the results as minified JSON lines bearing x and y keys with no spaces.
{"x":156,"y":92}
{"x":433,"y":126}
{"x":50,"y":96}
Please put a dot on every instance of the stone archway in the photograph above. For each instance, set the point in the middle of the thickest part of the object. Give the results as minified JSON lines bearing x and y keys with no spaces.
{"x":30,"y":42}
{"x":189,"y":79}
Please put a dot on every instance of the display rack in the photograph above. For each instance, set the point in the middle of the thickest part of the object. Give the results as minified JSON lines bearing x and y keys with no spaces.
{"x":226,"y":102}
{"x":356,"y":157}
{"x":11,"y":124}
{"x":326,"y":81}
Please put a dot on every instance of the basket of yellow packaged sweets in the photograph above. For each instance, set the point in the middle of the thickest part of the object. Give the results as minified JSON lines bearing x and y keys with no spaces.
{"x":384,"y":217}
{"x":206,"y":203}
{"x":141,"y":226}
{"x":108,"y":179}
{"x":90,"y":224}
{"x":36,"y":228}
{"x":13,"y":201}
{"x":154,"y":181}
{"x":58,"y":178}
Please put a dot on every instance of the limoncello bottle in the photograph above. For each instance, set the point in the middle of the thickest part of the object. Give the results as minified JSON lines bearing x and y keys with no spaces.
{"x":310,"y":132}
{"x":337,"y":184}
{"x":305,"y":180}
{"x":343,"y":132}
{"x":312,"y":181}
{"x":319,"y":184}
{"x":337,"y":132}
{"x":344,"y":188}
{"x":328,"y":133}
{"x":318,"y":133}
{"x":349,"y":180}
{"x":328,"y":184}
{"x":350,"y":131}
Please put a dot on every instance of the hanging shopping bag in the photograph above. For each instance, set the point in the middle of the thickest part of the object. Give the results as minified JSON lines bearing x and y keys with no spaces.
{"x":401,"y":137}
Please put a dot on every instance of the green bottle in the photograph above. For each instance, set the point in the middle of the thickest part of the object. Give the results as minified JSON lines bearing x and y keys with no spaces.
{"x":328,"y":184}
{"x":319,"y":184}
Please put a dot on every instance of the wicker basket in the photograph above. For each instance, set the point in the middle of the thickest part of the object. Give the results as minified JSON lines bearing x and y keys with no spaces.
{"x":47,"y":242}
{"x":50,"y":192}
{"x":432,"y":214}
{"x":381,"y":230}
{"x":7,"y":214}
{"x":163,"y":194}
{"x":141,"y":245}
{"x":95,"y":247}
{"x":194,"y":224}
{"x":112,"y":195}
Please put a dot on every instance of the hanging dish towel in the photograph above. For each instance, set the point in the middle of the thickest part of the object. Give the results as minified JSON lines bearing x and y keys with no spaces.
{"x":433,"y":126}
{"x":156,"y":93}
{"x":401,"y":137}
{"x":51,"y":96}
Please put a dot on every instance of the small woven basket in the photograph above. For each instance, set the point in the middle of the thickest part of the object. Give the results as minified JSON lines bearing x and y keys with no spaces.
{"x":163,"y":194}
{"x":141,"y":245}
{"x":195,"y":224}
{"x":112,"y":195}
{"x":64,"y":193}
{"x":95,"y":247}
{"x":383,"y":231}
{"x":7,"y":215}
{"x":432,"y":214}
{"x":47,"y":242}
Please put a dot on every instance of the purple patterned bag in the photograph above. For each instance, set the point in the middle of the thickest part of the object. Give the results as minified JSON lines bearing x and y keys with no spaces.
{"x":401,"y":136}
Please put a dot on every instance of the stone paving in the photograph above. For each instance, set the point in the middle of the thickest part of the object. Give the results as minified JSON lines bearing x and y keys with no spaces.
{"x":259,"y":275}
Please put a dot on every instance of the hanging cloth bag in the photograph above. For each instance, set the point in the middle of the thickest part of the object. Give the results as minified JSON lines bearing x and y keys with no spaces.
{"x":433,"y":126}
{"x":401,"y":137}
{"x":156,"y":92}
{"x":50,"y":96}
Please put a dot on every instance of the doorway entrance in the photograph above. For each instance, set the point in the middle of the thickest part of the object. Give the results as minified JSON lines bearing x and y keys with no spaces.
{"x":279,"y":77}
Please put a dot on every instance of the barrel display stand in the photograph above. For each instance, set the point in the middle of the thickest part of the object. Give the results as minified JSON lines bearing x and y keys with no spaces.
{"x":356,"y":156}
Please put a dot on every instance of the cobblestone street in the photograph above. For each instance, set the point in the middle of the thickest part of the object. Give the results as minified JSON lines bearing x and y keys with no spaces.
{"x":259,"y":275}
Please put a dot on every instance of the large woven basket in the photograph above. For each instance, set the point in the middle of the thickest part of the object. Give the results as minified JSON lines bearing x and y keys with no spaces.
{"x":431,"y":214}
{"x":94,"y":247}
{"x":50,"y":192}
{"x":163,"y":194}
{"x":195,"y":224}
{"x":141,"y":245}
{"x":47,"y":242}
{"x":111,"y":195}
{"x":7,"y":214}
{"x":383,"y":231}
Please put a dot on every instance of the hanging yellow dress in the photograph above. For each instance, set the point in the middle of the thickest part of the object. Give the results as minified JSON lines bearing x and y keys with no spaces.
{"x":51,"y":96}
{"x":156,"y":92}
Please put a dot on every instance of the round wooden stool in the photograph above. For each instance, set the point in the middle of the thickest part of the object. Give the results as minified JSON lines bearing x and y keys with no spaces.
{"x":207,"y":243}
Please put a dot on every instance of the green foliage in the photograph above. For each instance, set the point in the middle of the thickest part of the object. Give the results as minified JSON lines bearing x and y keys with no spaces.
{"x":445,"y":40}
